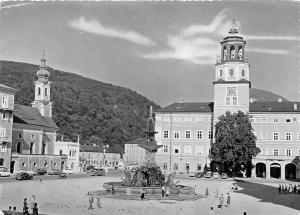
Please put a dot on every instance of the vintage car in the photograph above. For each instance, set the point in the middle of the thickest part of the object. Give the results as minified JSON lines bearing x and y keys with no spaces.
{"x":4,"y":172}
{"x":23,"y":176}
{"x":41,"y":171}
{"x":216,"y":175}
{"x":208,"y":174}
{"x":98,"y":172}
{"x":54,"y":172}
{"x":224,"y":176}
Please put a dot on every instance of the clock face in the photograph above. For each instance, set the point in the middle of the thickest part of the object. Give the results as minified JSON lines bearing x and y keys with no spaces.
{"x":231,"y":91}
{"x":231,"y":72}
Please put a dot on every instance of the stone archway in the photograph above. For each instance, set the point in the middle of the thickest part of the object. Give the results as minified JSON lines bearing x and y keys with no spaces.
{"x":290,"y":171}
{"x":261,"y":170}
{"x":275,"y":170}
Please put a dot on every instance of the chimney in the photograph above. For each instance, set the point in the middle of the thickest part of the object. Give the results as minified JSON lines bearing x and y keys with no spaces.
{"x":62,"y":138}
{"x":279,"y":99}
{"x":295,"y":106}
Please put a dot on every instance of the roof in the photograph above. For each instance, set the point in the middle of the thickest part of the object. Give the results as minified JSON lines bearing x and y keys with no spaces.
{"x":89,"y":148}
{"x":203,"y":107}
{"x":241,"y":81}
{"x":31,"y":117}
{"x":137,"y":141}
{"x":7,"y":89}
{"x":274,"y":107}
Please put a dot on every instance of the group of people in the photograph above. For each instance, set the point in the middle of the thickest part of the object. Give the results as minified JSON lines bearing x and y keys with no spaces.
{"x":33,"y":206}
{"x":165,"y":191}
{"x":91,"y":201}
{"x":287,"y":189}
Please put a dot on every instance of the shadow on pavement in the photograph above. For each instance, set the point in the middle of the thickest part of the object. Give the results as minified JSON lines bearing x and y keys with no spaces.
{"x":268,"y":194}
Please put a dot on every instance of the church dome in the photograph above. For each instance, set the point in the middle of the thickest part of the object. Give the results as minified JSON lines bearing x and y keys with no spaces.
{"x":258,"y":95}
{"x":42,"y":72}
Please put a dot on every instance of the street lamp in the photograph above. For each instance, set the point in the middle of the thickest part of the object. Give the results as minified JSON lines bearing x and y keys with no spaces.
{"x":104,"y":150}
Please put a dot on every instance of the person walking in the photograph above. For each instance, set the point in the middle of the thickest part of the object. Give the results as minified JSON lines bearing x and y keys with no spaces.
{"x":14,"y":212}
{"x":143,"y":194}
{"x":98,"y":202}
{"x":279,"y":189}
{"x":228,"y":199}
{"x":91,"y":200}
{"x":211,"y":211}
{"x":35,"y":210}
{"x":9,"y":211}
{"x":25,"y":207}
{"x":163,"y":190}
{"x":221,"y":201}
{"x":206,"y":192}
{"x":167,"y":191}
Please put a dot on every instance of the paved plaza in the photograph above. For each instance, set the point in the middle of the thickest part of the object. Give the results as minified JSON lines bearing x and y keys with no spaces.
{"x":68,"y":196}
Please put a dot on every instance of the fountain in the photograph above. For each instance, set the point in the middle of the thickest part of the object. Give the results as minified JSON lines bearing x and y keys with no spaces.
{"x":147,"y":177}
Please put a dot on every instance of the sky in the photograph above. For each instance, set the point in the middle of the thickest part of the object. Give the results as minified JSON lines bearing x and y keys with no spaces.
{"x":165,"y":51}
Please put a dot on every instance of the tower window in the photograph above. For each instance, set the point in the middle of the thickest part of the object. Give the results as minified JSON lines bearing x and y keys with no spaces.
{"x":232,"y":52}
{"x":39,"y":91}
{"x":231,"y":72}
{"x":46,"y":91}
{"x":220,"y":73}
{"x":227,"y":101}
{"x":243,"y":73}
{"x":234,"y":101}
{"x":240,"y":53}
{"x":225,"y":53}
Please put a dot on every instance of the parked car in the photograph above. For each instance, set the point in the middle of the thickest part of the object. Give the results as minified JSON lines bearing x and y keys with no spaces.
{"x":30,"y":172}
{"x":4,"y":172}
{"x":41,"y":171}
{"x":224,"y":176}
{"x":23,"y":176}
{"x":98,"y":172}
{"x":216,"y":175}
{"x":192,"y":174}
{"x":67,"y":171}
{"x":199,"y":174}
{"x":54,"y":172}
{"x":62,"y":175}
{"x":208,"y":174}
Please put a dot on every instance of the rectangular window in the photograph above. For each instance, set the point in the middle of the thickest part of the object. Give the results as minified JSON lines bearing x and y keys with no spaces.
{"x":210,"y":135}
{"x":4,"y":101}
{"x":198,"y":167}
{"x":166,"y":134}
{"x":227,"y":101}
{"x":165,"y":148}
{"x":187,"y":134}
{"x":60,"y":152}
{"x":187,"y":166}
{"x":165,"y":166}
{"x":199,"y":134}
{"x":252,"y":120}
{"x":199,"y":150}
{"x":288,"y":152}
{"x":176,"y":149}
{"x":187,"y":149}
{"x":176,"y":134}
{"x":288,"y":120}
{"x":275,"y":136}
{"x":288,"y":136}
{"x":275,"y":120}
{"x":234,"y":100}
{"x":175,"y":166}
{"x":2,"y":132}
{"x":275,"y":152}
{"x":32,"y":136}
{"x":264,"y":151}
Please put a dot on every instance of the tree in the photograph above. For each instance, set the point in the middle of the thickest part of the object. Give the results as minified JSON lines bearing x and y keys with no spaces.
{"x":234,"y":144}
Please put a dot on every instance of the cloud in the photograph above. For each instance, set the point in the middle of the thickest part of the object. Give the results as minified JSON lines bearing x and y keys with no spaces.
{"x":13,"y":5}
{"x":268,"y":51}
{"x":95,"y":27}
{"x":199,"y":43}
{"x":257,"y":37}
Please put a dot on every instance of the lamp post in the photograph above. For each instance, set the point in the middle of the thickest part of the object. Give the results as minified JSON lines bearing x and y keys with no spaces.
{"x":104,"y":150}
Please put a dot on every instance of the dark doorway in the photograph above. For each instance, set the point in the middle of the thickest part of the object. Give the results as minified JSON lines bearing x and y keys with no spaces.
{"x":12,"y":166}
{"x":290,"y":171}
{"x":275,"y":170}
{"x":19,"y":147}
{"x":261,"y":170}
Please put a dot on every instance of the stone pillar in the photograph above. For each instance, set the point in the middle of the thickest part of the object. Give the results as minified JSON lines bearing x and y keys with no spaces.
{"x":282,"y":171}
{"x":268,"y":171}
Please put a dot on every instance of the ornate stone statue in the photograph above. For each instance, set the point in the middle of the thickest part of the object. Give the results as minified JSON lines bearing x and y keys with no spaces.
{"x":170,"y":181}
{"x":240,"y":54}
{"x":225,"y":54}
{"x":127,"y":179}
{"x":232,"y":54}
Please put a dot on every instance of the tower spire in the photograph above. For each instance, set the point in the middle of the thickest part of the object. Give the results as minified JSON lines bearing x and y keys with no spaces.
{"x":43,"y":61}
{"x":233,"y":28}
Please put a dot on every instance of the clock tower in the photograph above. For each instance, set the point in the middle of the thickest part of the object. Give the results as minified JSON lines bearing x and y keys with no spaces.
{"x":231,"y":85}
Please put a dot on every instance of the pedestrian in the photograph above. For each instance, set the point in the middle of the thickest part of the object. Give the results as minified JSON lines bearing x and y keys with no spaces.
{"x":279,"y":189}
{"x":98,"y":202}
{"x":211,"y":211}
{"x":113,"y":190}
{"x":228,"y":199}
{"x":9,"y":211}
{"x":15,"y":212}
{"x":163,"y":189}
{"x":91,"y":200}
{"x":33,"y":201}
{"x":25,"y":207}
{"x":167,"y":191}
{"x":143,"y":194}
{"x":35,"y":210}
{"x":221,"y":201}
{"x":206,"y":192}
{"x":217,"y":193}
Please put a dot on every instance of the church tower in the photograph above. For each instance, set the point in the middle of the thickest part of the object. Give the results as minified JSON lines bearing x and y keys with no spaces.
{"x":231,"y":85}
{"x":42,"y":91}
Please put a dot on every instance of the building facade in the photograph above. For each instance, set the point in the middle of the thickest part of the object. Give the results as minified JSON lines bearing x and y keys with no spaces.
{"x":34,"y":131}
{"x":134,"y":154}
{"x":97,"y":156}
{"x":6,"y":124}
{"x":186,"y":130}
{"x":71,"y":150}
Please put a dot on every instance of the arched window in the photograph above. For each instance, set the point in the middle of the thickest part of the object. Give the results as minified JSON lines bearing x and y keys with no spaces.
{"x":1,"y":161}
{"x":43,"y":148}
{"x":19,"y":147}
{"x":220,"y":73}
{"x":240,"y":53}
{"x":31,"y":148}
{"x":45,"y":164}
{"x":232,"y":53}
{"x":225,"y":53}
{"x":39,"y":91}
{"x":243,"y":73}
{"x":46,"y":91}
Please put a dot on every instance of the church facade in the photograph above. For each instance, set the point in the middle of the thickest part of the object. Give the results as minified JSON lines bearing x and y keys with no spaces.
{"x":34,"y":131}
{"x":186,"y":129}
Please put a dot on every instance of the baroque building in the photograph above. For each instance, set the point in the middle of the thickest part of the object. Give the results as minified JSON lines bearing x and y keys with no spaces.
{"x":186,"y":129}
{"x":34,"y":131}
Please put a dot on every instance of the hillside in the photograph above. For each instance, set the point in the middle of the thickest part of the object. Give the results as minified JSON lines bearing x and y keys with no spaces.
{"x":96,"y":111}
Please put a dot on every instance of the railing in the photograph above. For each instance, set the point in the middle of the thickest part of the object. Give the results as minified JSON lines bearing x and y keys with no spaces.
{"x":153,"y":183}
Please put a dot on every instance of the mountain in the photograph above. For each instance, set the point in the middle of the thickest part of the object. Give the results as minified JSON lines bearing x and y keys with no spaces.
{"x":97,"y":111}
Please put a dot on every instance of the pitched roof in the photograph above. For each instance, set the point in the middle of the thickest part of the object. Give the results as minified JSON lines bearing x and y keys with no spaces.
{"x":203,"y":107}
{"x":89,"y":148}
{"x":32,"y":117}
{"x":7,"y":89}
{"x":275,"y":107}
{"x":137,"y":141}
